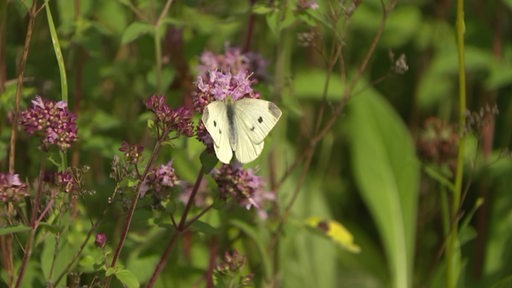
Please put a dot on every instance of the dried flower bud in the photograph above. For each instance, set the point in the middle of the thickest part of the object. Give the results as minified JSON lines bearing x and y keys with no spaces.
{"x":11,"y":188}
{"x":132,"y":153}
{"x":230,"y":270}
{"x":400,"y":64}
{"x":476,"y":120}
{"x":438,"y":142}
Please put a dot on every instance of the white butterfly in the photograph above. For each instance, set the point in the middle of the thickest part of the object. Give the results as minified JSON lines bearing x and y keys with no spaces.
{"x":240,"y":126}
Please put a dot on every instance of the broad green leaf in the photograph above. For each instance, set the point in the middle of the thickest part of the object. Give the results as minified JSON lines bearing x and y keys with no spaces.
{"x":309,"y":84}
{"x":386,"y":171}
{"x":204,"y":227}
{"x":112,"y":15}
{"x":127,"y":278}
{"x":135,"y":30}
{"x":401,"y":26}
{"x":13,"y":229}
{"x":303,"y":251}
{"x":56,"y":255}
{"x":208,"y":160}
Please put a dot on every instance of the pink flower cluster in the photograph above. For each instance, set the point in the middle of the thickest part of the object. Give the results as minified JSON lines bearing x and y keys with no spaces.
{"x":167,"y":119}
{"x":243,"y":186}
{"x":52,"y":120}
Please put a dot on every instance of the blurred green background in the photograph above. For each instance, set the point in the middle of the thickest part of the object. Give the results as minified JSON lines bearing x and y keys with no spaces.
{"x":366,"y":171}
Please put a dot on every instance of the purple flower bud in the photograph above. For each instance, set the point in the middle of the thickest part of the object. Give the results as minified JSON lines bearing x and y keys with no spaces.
{"x":100,"y":240}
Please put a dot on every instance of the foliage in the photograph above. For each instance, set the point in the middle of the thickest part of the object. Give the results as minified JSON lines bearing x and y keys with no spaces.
{"x":389,"y":166}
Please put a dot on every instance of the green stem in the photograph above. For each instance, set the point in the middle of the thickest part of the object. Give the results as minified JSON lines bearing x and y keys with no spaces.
{"x":452,"y":251}
{"x":58,"y":53}
{"x":62,"y":69}
{"x":158,"y":59}
{"x":158,"y":45}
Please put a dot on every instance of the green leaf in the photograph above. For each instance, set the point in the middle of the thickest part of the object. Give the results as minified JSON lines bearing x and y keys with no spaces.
{"x":166,"y":77}
{"x":508,"y":3}
{"x":208,"y":160}
{"x":401,"y":26}
{"x":309,"y":84}
{"x":110,"y":271}
{"x":56,"y":255}
{"x":386,"y":171}
{"x":254,"y":235}
{"x":13,"y":229}
{"x":261,"y":9}
{"x":127,"y":278}
{"x":111,"y":15}
{"x":504,"y":282}
{"x":134,"y":31}
{"x":204,"y":227}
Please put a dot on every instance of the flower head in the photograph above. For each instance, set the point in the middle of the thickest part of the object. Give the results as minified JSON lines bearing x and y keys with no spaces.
{"x":243,"y":186}
{"x":52,"y":120}
{"x":438,"y":142}
{"x":308,"y":4}
{"x":230,"y":269}
{"x":158,"y":178}
{"x":11,"y":188}
{"x":167,"y":119}
{"x":132,"y":153}
{"x":216,"y":85}
{"x":66,"y":181}
{"x":233,"y":61}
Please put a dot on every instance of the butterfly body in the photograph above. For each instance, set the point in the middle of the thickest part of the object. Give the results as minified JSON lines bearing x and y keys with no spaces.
{"x":240,"y":127}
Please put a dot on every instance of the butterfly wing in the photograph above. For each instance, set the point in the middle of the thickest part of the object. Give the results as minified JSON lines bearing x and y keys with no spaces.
{"x":253,"y":119}
{"x":245,"y":150}
{"x":215,"y":120}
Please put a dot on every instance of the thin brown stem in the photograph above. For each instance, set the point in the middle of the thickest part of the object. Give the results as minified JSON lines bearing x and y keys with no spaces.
{"x":250,"y":29}
{"x":133,"y":205}
{"x":182,"y":227}
{"x":21,"y":72}
{"x":183,"y":219}
{"x":211,"y":263}
{"x":357,"y":77}
{"x":33,"y":224}
{"x":77,"y":254}
{"x":163,"y":259}
{"x":195,"y":218}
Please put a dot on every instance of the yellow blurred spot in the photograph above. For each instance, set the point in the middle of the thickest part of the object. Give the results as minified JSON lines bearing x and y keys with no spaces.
{"x":335,"y":231}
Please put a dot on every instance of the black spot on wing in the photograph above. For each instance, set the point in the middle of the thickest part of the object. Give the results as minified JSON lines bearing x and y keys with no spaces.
{"x":260,"y":119}
{"x":214,"y":123}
